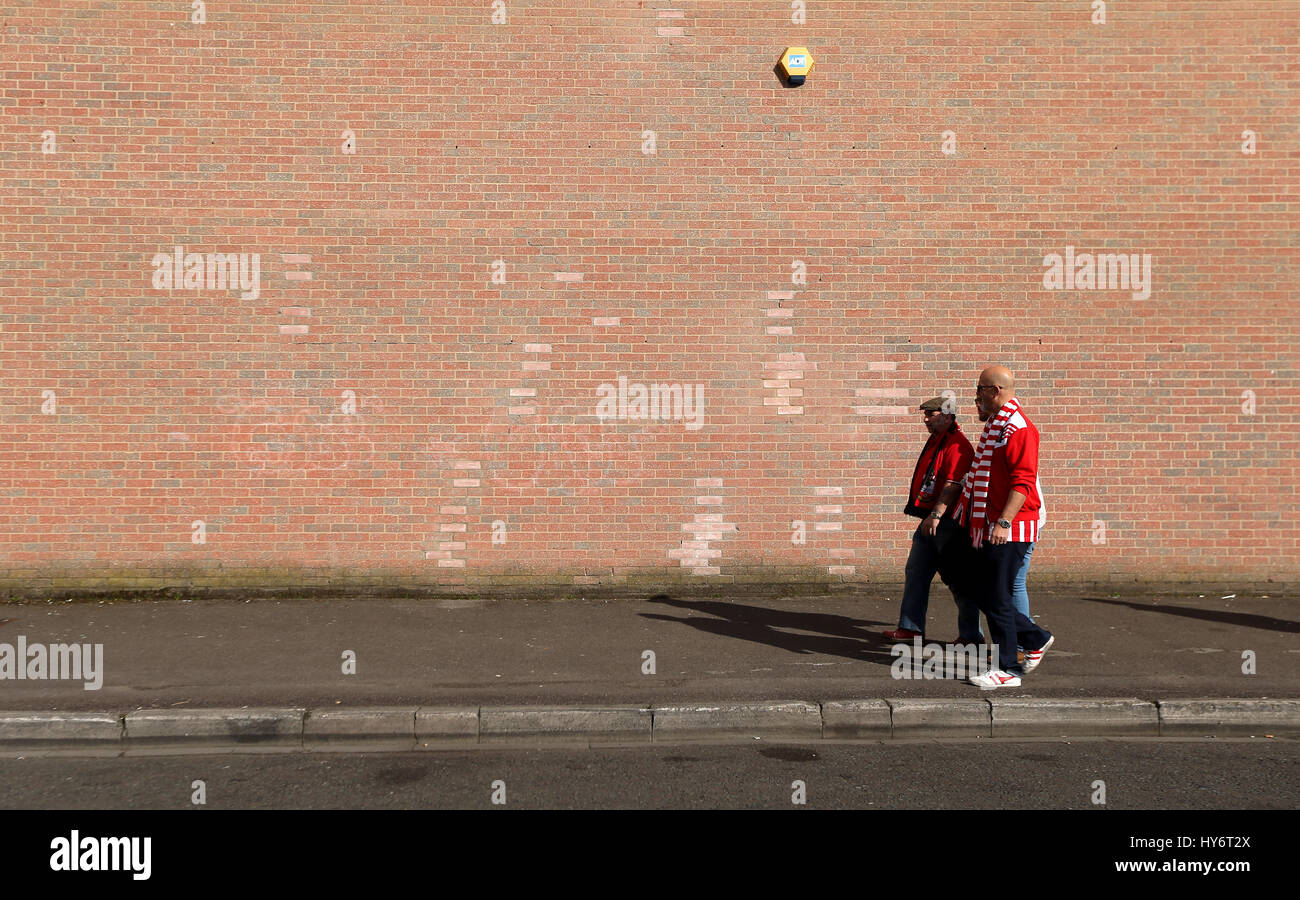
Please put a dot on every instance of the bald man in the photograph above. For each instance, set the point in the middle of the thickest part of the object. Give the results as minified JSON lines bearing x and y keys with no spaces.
{"x":999,"y":503}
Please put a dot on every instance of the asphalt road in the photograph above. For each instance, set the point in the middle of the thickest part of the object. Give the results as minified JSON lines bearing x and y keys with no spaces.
{"x":933,"y":775}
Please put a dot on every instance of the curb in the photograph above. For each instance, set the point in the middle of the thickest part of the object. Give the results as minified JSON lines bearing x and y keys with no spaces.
{"x":771,"y":721}
{"x":164,"y":731}
{"x":1227,"y":717}
{"x":377,"y":729}
{"x":914,"y":718}
{"x":369,"y":728}
{"x":1023,"y":717}
{"x":76,"y":733}
{"x":534,"y":725}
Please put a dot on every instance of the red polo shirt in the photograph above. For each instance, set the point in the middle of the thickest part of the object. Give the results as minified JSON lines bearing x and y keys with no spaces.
{"x":955,"y":455}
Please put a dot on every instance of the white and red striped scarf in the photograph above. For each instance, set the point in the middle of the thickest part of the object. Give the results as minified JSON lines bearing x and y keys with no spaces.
{"x":975,"y":487}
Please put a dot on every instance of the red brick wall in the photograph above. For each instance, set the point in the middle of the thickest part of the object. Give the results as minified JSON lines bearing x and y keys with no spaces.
{"x":475,"y":401}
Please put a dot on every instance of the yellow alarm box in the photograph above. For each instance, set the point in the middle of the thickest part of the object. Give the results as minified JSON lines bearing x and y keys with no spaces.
{"x":796,"y":63}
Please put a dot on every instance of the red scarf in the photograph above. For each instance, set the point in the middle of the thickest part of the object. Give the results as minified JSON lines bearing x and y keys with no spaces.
{"x":975,"y":488}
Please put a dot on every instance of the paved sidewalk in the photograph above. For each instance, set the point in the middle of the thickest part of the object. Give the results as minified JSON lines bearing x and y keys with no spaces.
{"x":709,"y":650}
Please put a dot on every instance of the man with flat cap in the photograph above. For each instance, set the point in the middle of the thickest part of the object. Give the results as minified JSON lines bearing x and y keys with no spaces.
{"x":1000,"y":502}
{"x":940,"y":544}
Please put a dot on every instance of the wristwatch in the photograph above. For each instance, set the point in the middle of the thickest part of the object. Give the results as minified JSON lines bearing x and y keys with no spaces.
{"x":1004,"y":523}
{"x":935,"y":515}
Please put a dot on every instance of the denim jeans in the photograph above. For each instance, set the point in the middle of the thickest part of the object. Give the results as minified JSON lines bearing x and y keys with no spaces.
{"x":949,"y":554}
{"x":1007,"y":625}
{"x":1019,"y":595}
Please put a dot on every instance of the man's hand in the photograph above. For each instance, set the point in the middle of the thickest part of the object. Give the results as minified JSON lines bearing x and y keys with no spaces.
{"x":947,"y":497}
{"x":1014,"y":502}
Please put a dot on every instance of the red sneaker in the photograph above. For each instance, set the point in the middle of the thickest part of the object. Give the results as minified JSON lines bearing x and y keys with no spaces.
{"x":903,"y":634}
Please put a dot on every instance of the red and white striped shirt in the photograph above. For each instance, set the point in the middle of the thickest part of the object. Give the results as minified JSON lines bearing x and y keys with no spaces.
{"x":1005,"y":461}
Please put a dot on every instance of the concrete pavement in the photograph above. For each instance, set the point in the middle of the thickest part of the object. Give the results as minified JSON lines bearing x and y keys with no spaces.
{"x":304,"y":673}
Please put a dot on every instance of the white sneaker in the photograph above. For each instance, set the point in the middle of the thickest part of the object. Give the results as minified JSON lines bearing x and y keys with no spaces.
{"x":995,"y":678}
{"x":1034,"y":657}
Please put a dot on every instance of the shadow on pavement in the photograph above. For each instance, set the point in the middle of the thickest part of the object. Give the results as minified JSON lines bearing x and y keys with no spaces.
{"x":1247,"y":620}
{"x":844,"y":636}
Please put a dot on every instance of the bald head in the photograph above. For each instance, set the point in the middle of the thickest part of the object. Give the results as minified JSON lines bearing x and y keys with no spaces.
{"x":1002,"y":377}
{"x":997,"y":386}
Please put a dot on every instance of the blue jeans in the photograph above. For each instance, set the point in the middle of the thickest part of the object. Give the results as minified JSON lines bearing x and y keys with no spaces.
{"x":1020,"y":596}
{"x":949,"y":554}
{"x":1007,"y":625}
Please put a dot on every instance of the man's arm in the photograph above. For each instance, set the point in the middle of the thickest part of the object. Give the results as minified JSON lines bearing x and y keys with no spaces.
{"x":1022,"y":468}
{"x":1015,"y":500}
{"x":951,"y":491}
